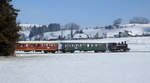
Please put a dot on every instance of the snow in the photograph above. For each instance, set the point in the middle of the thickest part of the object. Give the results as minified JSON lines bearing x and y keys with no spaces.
{"x":131,"y":67}
{"x":29,"y":25}
{"x":80,"y":36}
{"x":136,"y":25}
{"x":80,"y":67}
{"x":134,"y":29}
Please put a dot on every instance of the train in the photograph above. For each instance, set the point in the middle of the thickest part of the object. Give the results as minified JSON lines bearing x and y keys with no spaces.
{"x":70,"y":46}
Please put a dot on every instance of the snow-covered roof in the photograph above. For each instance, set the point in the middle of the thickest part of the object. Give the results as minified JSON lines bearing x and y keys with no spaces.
{"x":37,"y":41}
{"x":136,"y":25}
{"x":80,"y":35}
{"x":30,"y":25}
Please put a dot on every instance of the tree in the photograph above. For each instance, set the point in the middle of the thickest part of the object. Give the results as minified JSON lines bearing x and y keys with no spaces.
{"x":33,"y":32}
{"x":8,"y":28}
{"x":117,"y":22}
{"x":109,"y":27}
{"x":96,"y":35}
{"x":54,"y":27}
{"x":139,"y":20}
{"x":71,"y":27}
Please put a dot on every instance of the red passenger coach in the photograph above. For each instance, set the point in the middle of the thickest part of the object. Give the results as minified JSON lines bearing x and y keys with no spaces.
{"x":46,"y":46}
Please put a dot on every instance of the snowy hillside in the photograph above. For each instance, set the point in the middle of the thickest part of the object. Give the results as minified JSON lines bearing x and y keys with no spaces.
{"x":26,"y":28}
{"x":127,"y":29}
{"x":135,"y":25}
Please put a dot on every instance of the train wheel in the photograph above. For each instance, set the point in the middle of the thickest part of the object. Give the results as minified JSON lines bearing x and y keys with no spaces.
{"x":95,"y":51}
{"x":72,"y":51}
{"x":53,"y":51}
{"x":103,"y":50}
{"x":45,"y":51}
{"x":64,"y":51}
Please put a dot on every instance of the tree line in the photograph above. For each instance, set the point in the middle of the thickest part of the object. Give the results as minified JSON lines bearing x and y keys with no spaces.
{"x":52,"y":27}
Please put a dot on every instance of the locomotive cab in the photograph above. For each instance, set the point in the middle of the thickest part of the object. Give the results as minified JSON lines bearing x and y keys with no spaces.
{"x":118,"y":47}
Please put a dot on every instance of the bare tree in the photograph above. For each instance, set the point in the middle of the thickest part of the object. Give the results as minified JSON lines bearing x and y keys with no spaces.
{"x":117,"y":22}
{"x":72,"y":26}
{"x":139,"y":20}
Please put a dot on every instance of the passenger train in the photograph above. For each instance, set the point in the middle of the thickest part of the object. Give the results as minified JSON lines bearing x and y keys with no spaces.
{"x":70,"y":46}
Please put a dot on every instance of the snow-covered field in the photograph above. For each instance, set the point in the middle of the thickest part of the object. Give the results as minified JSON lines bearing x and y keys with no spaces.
{"x":129,"y":67}
{"x":81,"y":67}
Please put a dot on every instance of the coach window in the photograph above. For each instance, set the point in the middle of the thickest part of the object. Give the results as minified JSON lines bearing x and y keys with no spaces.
{"x":66,"y":45}
{"x":17,"y":45}
{"x":77,"y":45}
{"x":38,"y":45}
{"x":69,"y":45}
{"x":99,"y":44}
{"x":95,"y":45}
{"x":22,"y":45}
{"x":27,"y":45}
{"x":48,"y":45}
{"x":91,"y":45}
{"x":42,"y":45}
{"x":53,"y":45}
{"x":33,"y":45}
{"x":80,"y":45}
{"x":88,"y":45}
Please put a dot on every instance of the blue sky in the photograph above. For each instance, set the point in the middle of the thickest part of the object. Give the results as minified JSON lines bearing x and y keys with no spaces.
{"x":83,"y":12}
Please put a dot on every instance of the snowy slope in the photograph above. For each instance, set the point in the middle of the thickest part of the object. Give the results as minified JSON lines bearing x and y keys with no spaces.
{"x":54,"y":35}
{"x":77,"y":68}
{"x":26,"y":28}
{"x":134,"y":29}
{"x":135,"y":25}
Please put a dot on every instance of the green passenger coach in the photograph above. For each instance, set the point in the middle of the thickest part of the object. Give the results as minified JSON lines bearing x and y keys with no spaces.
{"x":71,"y":47}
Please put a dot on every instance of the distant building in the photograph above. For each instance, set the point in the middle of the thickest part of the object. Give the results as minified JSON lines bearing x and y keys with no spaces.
{"x":80,"y":36}
{"x":125,"y":34}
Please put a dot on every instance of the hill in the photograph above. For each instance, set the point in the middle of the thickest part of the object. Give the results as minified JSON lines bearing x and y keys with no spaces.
{"x":125,"y":30}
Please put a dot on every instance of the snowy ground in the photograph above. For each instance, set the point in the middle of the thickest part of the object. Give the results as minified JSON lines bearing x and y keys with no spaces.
{"x":81,"y":67}
{"x":129,"y":67}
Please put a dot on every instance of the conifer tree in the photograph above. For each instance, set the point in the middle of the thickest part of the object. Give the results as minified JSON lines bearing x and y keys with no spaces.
{"x":8,"y":28}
